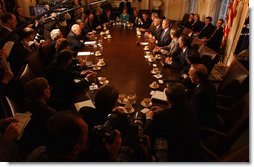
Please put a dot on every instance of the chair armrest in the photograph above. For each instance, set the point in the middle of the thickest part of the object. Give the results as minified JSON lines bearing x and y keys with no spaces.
{"x":215,"y":132}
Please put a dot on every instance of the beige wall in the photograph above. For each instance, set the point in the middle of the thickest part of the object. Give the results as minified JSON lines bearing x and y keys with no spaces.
{"x":25,"y":5}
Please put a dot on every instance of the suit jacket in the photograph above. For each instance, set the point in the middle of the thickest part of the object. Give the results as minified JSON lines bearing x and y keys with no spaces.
{"x":179,"y":125}
{"x":134,"y":20}
{"x":207,"y":31}
{"x":93,"y":117}
{"x":156,"y":31}
{"x":18,"y":54}
{"x":197,"y":26}
{"x":64,"y":88}
{"x":146,"y":23}
{"x":173,"y":48}
{"x":165,"y":40}
{"x":74,"y":41}
{"x":35,"y":132}
{"x":106,"y":19}
{"x":179,"y":61}
{"x":97,"y":20}
{"x":216,"y":39}
{"x":204,"y":97}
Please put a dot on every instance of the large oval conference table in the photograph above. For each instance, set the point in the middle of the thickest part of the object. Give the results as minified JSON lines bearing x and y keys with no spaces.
{"x":126,"y":67}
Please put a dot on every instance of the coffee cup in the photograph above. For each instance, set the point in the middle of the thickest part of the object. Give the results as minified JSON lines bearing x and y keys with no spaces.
{"x":107,"y":32}
{"x":155,"y":84}
{"x":103,"y":79}
{"x":122,"y":96}
{"x":109,"y":36}
{"x":131,"y":98}
{"x":97,"y":52}
{"x":96,"y":66}
{"x":147,"y":101}
{"x":155,"y":70}
{"x":128,"y":106}
{"x":101,"y":61}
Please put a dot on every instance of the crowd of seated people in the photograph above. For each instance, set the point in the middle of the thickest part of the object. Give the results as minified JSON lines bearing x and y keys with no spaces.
{"x":58,"y":133}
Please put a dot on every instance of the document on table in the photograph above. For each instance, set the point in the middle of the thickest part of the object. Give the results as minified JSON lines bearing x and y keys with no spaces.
{"x":23,"y":119}
{"x":159,"y":95}
{"x":90,"y":42}
{"x":84,"y":54}
{"x":86,"y":103}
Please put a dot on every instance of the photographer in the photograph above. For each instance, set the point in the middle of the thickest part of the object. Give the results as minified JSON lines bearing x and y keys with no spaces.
{"x":134,"y":148}
{"x":174,"y":130}
{"x":67,"y":141}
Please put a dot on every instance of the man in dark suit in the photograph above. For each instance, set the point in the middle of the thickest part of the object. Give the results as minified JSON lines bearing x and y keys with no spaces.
{"x":74,"y":37}
{"x":197,"y":26}
{"x":135,"y":17}
{"x":207,"y":30}
{"x":125,"y":4}
{"x":107,"y":16}
{"x":164,"y":38}
{"x":178,"y":61}
{"x":177,"y":124}
{"x":156,"y":31}
{"x":38,"y":93}
{"x":18,"y":53}
{"x":215,"y":39}
{"x":144,"y":22}
{"x":204,"y":96}
{"x":61,"y":78}
{"x":98,"y":19}
{"x":105,"y":100}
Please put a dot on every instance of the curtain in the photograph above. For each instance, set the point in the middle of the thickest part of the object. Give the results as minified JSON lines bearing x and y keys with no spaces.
{"x":206,"y":8}
{"x":235,"y":31}
{"x":175,"y":10}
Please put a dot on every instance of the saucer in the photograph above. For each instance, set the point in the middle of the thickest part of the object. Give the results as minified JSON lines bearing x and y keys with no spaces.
{"x":97,"y":54}
{"x":128,"y":112}
{"x":153,"y":72}
{"x":151,"y":60}
{"x":144,"y":105}
{"x":125,"y":100}
{"x":154,"y":87}
{"x":158,"y":57}
{"x":96,"y":69}
{"x":104,"y":83}
{"x":101,"y":65}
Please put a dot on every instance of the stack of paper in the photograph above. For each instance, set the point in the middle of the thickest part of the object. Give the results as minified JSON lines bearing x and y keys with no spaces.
{"x":159,"y":95}
{"x":87,"y":103}
{"x":84,"y":54}
{"x":90,"y":43}
{"x":23,"y":119}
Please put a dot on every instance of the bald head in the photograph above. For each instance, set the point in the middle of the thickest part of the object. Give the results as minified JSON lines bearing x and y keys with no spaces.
{"x":76,"y":29}
{"x":198,"y":73}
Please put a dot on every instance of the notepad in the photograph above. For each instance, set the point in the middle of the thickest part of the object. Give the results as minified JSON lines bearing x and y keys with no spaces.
{"x":159,"y":95}
{"x":87,"y":103}
{"x":23,"y":119}
{"x":90,"y":42}
{"x":8,"y":46}
{"x":144,"y":43}
{"x":84,"y":54}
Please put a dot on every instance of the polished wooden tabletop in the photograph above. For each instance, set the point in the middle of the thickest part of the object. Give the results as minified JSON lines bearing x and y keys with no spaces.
{"x":126,"y":67}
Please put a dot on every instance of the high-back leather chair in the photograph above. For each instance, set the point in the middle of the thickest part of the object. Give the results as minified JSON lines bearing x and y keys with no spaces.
{"x":236,"y":122}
